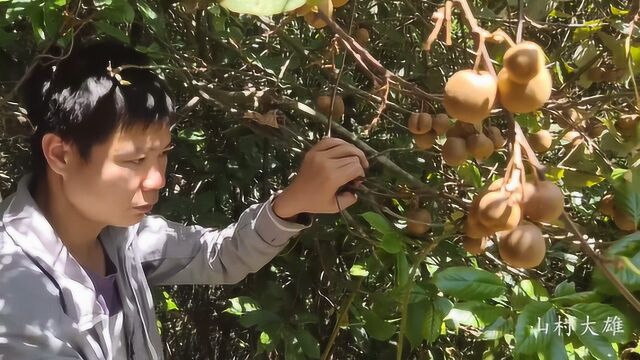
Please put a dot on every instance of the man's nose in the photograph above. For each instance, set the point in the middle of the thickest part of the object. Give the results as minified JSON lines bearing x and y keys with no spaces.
{"x":155,"y":179}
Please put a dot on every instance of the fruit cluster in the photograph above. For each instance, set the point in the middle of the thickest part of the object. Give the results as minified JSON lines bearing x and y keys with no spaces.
{"x":502,"y":208}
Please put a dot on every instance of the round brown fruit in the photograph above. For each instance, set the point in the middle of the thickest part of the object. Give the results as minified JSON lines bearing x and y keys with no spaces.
{"x":419,"y":123}
{"x":425,"y":141}
{"x":461,"y":130}
{"x":469,"y":95}
{"x":545,"y":204}
{"x":623,"y":221}
{"x":595,"y":74}
{"x":496,"y":211}
{"x":323,"y":104}
{"x":474,"y":246}
{"x":339,"y":3}
{"x":454,"y":151}
{"x":362,"y":36}
{"x":496,"y":137}
{"x":474,"y":228}
{"x":569,"y":117}
{"x":524,"y":247}
{"x":606,"y":206}
{"x":312,"y":18}
{"x":540,"y":141}
{"x":595,"y":128}
{"x":524,"y":98}
{"x":418,"y":222}
{"x":524,"y":61}
{"x":627,"y":125}
{"x":440,"y":123}
{"x":479,"y":146}
{"x":303,"y":10}
{"x":573,"y":137}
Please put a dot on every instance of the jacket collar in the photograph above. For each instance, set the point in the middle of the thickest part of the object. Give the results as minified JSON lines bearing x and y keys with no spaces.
{"x":30,"y":230}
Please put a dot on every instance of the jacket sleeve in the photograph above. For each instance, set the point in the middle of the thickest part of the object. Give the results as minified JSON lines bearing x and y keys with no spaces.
{"x":173,"y":254}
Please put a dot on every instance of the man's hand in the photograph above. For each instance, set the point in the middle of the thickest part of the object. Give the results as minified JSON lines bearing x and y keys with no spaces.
{"x":329,"y":165}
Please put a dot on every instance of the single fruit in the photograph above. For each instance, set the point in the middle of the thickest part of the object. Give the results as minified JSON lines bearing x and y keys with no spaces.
{"x":497,"y":212}
{"x":323,"y":105}
{"x":312,"y":18}
{"x":474,"y":246}
{"x":425,"y":141}
{"x":545,"y":204}
{"x":418,"y":222}
{"x":524,"y":61}
{"x":595,"y":74}
{"x":496,"y":137}
{"x":627,"y":125}
{"x":339,"y":3}
{"x":606,"y":205}
{"x":570,"y":118}
{"x":469,"y":95}
{"x":479,"y":146}
{"x":454,"y":151}
{"x":303,"y":10}
{"x":461,"y":130}
{"x":474,"y":228}
{"x":623,"y":221}
{"x":362,"y":36}
{"x":524,"y":98}
{"x":595,"y":128}
{"x":419,"y":123}
{"x":573,"y":137}
{"x":540,"y":141}
{"x":440,"y":123}
{"x":524,"y":247}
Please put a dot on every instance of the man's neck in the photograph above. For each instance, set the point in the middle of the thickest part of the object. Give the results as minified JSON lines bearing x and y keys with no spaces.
{"x":78,"y":233}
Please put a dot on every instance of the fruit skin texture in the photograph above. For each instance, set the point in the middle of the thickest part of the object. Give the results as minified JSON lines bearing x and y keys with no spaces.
{"x":419,"y":123}
{"x":524,"y":98}
{"x":339,"y":3}
{"x":440,"y":123}
{"x":623,"y":221}
{"x":461,"y":130}
{"x":425,"y":141}
{"x":474,"y":246}
{"x":545,"y":204}
{"x":323,"y":104}
{"x":524,"y":247}
{"x":469,"y":96}
{"x":480,"y":146}
{"x":540,"y":141}
{"x":362,"y":36}
{"x":312,"y":18}
{"x":606,"y":206}
{"x":454,"y":151}
{"x":496,"y":212}
{"x":627,"y":125}
{"x":417,"y":228}
{"x":524,"y":61}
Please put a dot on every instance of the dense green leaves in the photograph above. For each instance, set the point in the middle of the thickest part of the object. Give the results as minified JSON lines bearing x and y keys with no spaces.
{"x":469,"y":283}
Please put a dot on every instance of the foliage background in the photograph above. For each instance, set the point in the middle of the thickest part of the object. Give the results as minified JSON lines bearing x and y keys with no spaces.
{"x":357,"y":266}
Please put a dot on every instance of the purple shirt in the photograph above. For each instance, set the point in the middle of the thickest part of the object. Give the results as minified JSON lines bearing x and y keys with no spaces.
{"x":107,"y":288}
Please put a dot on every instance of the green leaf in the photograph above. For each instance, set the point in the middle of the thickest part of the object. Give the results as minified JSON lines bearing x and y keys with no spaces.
{"x":470,"y":174}
{"x":535,"y":327}
{"x":242,"y":305}
{"x":627,"y":246}
{"x":416,"y":315}
{"x":469,"y":283}
{"x":112,"y":31}
{"x":376,"y":327}
{"x":579,"y":297}
{"x":310,"y":346}
{"x":588,"y":28}
{"x":564,"y":288}
{"x":170,"y":305}
{"x":497,"y":329}
{"x":627,"y":197}
{"x":402,"y":269}
{"x":618,"y":12}
{"x":378,"y":222}
{"x":262,"y":319}
{"x":629,"y":278}
{"x":435,"y":313}
{"x":358,"y":270}
{"x":616,"y":47}
{"x":476,"y":314}
{"x":392,"y":243}
{"x":261,"y":7}
{"x":528,"y":290}
{"x":603,"y":320}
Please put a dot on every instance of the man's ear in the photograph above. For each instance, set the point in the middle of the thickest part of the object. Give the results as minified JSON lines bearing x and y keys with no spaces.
{"x":57,"y":152}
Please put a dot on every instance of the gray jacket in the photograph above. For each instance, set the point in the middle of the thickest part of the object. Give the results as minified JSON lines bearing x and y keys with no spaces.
{"x":48,"y":307}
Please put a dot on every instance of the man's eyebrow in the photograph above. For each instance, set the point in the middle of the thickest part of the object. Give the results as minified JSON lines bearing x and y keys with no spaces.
{"x":169,"y":146}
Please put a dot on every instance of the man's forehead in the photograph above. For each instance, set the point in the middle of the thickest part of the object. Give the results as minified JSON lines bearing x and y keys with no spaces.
{"x":154,"y":137}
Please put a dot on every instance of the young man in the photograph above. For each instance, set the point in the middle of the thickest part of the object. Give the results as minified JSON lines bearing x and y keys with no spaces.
{"x":78,"y":252}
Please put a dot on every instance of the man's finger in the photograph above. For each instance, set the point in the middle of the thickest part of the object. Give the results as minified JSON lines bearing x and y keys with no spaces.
{"x":347,"y":150}
{"x":347,"y":173}
{"x":327,"y":143}
{"x":346,"y":199}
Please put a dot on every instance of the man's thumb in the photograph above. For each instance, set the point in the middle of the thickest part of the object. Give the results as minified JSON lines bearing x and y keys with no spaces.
{"x":346,"y":199}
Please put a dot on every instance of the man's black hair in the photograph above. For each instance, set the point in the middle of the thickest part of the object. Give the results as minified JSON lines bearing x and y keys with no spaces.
{"x":82,"y":99}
